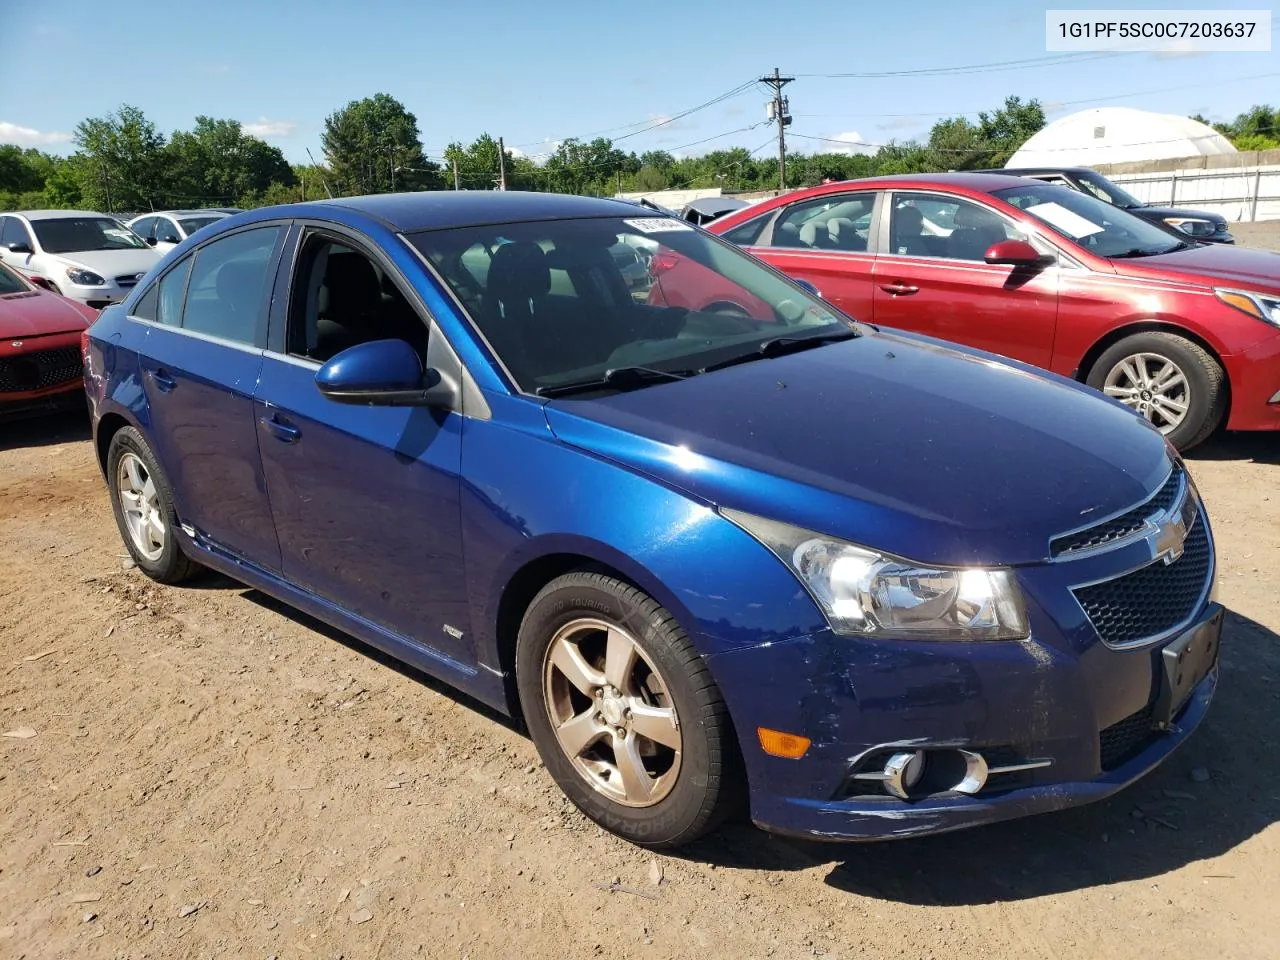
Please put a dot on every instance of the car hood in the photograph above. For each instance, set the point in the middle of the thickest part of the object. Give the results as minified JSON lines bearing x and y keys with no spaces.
{"x":113,"y":263}
{"x":894,"y":441}
{"x":39,"y":313}
{"x":1162,"y":212}
{"x":1212,"y":264}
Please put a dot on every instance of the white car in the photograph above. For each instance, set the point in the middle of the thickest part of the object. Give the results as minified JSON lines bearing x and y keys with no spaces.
{"x":86,"y":256}
{"x":168,"y":228}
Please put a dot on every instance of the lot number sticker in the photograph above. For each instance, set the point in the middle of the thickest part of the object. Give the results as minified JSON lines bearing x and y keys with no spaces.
{"x":657,"y":224}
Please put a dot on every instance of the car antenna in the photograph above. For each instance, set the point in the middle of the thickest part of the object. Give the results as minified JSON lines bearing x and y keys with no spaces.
{"x":323,"y":182}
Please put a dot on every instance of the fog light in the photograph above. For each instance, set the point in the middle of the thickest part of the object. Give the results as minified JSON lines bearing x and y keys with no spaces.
{"x":902,"y":772}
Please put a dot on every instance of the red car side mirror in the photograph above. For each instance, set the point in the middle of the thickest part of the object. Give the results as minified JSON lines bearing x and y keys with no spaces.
{"x":1015,"y":253}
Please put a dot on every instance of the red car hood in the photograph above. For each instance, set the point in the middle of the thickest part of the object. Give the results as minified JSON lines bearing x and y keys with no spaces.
{"x":39,"y":313}
{"x":1214,"y":264}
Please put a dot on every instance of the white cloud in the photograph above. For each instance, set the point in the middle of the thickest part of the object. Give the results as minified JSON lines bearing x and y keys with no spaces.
{"x":849,"y":142}
{"x":663,"y":121}
{"x":27,"y":137}
{"x":269,"y":128}
{"x":516,"y":152}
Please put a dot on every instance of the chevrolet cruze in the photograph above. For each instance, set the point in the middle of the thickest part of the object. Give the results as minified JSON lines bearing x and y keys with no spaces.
{"x":864,"y":583}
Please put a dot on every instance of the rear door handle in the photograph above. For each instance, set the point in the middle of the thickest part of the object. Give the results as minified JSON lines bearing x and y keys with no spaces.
{"x":163,"y":381}
{"x":899,"y":289}
{"x":279,"y":429}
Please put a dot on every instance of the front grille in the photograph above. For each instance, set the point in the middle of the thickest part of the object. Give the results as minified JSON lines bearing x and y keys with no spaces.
{"x":1153,"y":599}
{"x":1117,"y":528}
{"x":128,"y":279}
{"x":1124,"y":740}
{"x":39,"y":369}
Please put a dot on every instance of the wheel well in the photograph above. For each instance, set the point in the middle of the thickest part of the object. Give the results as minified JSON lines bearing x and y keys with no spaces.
{"x":1151,"y":326}
{"x":517,"y":596}
{"x":108,"y":426}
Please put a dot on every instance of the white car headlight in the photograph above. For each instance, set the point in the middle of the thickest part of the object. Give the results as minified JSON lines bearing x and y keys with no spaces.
{"x":1266,"y":307}
{"x":84,"y":278}
{"x":868,"y":594}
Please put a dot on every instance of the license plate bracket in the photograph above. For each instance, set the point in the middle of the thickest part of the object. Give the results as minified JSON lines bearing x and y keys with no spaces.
{"x":1183,"y":664}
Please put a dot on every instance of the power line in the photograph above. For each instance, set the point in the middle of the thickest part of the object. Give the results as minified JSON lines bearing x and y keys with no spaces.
{"x":1052,"y":60}
{"x":779,"y":111}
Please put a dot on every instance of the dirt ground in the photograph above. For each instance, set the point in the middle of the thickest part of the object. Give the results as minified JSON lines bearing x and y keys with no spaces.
{"x":213,"y":776}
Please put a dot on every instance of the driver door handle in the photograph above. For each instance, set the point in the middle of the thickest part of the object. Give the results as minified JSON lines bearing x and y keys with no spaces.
{"x":279,"y":429}
{"x":899,"y":289}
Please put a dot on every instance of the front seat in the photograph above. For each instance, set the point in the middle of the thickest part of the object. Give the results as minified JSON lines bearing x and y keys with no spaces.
{"x":349,"y":305}
{"x":906,"y":227}
{"x":518,"y":282}
{"x":976,"y":230}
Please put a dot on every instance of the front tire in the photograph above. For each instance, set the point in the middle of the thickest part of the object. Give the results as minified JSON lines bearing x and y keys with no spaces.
{"x":1173,"y":382}
{"x":142,"y":501}
{"x":624,"y":713}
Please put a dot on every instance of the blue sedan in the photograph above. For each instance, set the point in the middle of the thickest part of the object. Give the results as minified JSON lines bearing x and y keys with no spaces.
{"x":864,"y":583}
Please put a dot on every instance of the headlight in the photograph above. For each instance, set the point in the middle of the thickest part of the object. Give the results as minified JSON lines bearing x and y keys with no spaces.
{"x":84,"y":278}
{"x":1192,"y":226}
{"x":868,"y":594}
{"x":1264,"y":306}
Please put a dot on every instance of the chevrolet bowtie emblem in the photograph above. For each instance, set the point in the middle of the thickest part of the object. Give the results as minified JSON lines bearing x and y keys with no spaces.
{"x":1170,"y":537}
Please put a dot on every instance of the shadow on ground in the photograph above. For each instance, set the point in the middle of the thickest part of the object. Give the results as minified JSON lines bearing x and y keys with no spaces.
{"x":1250,"y":447}
{"x":45,"y":431}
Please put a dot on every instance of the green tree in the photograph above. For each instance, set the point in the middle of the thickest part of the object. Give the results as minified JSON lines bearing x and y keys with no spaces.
{"x":123,"y":162}
{"x":956,"y":144}
{"x":1007,"y":129}
{"x":373,"y":145}
{"x":216,"y":162}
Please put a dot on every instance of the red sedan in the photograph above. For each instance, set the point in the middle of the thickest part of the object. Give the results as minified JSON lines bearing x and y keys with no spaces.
{"x":40,"y":365}
{"x":1186,"y":333}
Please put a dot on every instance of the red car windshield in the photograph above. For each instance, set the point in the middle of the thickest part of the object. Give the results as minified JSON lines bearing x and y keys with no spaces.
{"x":1099,"y":227}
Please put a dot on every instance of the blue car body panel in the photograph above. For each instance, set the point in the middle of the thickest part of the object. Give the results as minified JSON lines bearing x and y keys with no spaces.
{"x":407,"y":526}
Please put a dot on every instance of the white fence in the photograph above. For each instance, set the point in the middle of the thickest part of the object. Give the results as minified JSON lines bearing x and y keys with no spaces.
{"x":1239,"y":193}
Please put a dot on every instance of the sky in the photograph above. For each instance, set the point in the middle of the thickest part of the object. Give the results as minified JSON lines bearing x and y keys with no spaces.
{"x":537,"y":73}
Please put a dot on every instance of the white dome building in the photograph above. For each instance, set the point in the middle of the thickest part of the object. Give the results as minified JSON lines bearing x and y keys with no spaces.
{"x":1118,"y":135}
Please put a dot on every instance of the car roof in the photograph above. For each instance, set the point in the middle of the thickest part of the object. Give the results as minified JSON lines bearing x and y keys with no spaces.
{"x":182,"y":213}
{"x":1020,"y":171}
{"x":443,"y":209}
{"x":60,"y":214}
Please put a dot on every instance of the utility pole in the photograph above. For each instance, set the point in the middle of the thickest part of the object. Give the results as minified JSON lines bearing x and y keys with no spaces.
{"x":502,"y":165}
{"x":455,"y":173}
{"x":779,"y":110}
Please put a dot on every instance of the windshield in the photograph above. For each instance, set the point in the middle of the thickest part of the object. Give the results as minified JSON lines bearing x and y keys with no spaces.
{"x":10,"y":282}
{"x":1089,"y":222}
{"x":81,"y":234}
{"x":191,"y":224}
{"x":561,"y":301}
{"x":1105,"y":190}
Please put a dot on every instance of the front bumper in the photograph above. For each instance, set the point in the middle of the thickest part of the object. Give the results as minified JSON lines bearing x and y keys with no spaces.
{"x":1064,"y":696}
{"x":1254,"y":375}
{"x":96,"y":297}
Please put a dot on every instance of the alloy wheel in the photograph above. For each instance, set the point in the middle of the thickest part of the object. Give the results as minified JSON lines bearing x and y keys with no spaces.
{"x":1154,"y":386}
{"x":611,"y":712}
{"x":140,"y":503}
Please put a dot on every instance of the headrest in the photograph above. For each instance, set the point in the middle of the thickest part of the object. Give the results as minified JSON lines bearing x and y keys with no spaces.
{"x":908,"y":219}
{"x":519,"y":271}
{"x":968,"y":216}
{"x":840,"y":227}
{"x":809,"y":233}
{"x":350,"y":284}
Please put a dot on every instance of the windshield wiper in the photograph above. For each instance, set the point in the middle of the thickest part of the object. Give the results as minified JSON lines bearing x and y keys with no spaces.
{"x":777,"y":346}
{"x":622,"y":378}
{"x":1144,"y":252}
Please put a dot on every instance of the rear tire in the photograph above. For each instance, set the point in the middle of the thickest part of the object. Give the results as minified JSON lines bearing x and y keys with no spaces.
{"x":1172,"y":381}
{"x":142,"y":501}
{"x":624,"y":712}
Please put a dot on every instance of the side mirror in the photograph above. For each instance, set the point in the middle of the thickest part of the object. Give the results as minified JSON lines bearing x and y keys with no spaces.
{"x":151,"y":241}
{"x":170,"y":239}
{"x":19,"y":246}
{"x":1016,"y":253}
{"x":807,"y":287}
{"x":383,"y":373}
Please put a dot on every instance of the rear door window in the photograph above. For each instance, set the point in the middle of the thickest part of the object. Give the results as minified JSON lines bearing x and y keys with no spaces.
{"x":229,"y":289}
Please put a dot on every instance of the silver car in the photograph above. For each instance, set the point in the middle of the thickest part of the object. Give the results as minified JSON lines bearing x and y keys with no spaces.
{"x":168,"y":228}
{"x":86,"y":256}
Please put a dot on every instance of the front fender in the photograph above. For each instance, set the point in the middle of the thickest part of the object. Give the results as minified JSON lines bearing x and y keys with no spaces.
{"x":725,"y":589}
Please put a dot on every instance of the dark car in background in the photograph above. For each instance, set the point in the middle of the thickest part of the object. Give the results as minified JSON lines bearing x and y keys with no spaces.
{"x":1201,"y":224}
